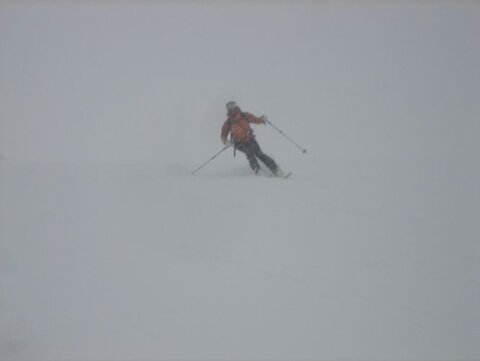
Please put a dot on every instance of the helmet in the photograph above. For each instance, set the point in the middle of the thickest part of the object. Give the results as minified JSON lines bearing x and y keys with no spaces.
{"x":231,"y":106}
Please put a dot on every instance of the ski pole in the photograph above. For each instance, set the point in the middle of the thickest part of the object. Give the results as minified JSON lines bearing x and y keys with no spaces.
{"x":286,"y":136}
{"x":204,"y":164}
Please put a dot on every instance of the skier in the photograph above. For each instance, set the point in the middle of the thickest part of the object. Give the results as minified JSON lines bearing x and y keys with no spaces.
{"x":243,"y":139}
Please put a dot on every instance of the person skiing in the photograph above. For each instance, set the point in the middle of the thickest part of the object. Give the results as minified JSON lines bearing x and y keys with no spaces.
{"x":242,"y":138}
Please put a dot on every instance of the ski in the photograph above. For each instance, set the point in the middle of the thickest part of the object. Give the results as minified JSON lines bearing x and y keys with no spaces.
{"x":269,"y":174}
{"x":280,"y":175}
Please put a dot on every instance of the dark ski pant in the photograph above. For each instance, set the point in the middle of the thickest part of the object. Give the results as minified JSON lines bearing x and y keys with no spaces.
{"x":252,"y":151}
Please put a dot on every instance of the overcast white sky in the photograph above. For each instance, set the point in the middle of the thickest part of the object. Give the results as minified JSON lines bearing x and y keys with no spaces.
{"x":97,"y":81}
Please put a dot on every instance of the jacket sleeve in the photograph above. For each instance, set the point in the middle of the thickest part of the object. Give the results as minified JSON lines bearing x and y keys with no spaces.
{"x":225,"y":130}
{"x":253,"y":119}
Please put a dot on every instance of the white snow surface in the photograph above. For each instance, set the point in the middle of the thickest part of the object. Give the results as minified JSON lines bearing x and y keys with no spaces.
{"x":111,"y":250}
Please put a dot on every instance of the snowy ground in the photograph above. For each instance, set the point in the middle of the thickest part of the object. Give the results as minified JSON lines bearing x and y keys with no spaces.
{"x":148,"y":262}
{"x":111,"y":250}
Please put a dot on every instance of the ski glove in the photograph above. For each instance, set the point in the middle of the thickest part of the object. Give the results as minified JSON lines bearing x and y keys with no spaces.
{"x":264,"y":119}
{"x":228,"y":143}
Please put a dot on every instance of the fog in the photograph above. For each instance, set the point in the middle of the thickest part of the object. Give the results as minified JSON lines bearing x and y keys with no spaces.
{"x":125,"y":81}
{"x":111,"y":249}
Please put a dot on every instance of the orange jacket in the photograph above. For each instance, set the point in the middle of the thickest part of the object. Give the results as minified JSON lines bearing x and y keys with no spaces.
{"x":239,"y":126}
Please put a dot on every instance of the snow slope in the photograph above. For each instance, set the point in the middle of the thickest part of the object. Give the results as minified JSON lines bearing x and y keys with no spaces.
{"x":111,"y":250}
